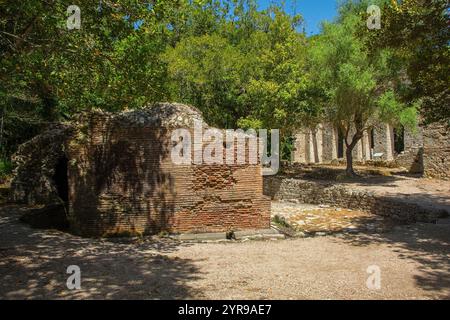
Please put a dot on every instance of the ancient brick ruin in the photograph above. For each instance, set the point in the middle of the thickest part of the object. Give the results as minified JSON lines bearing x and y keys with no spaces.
{"x":427,"y":150}
{"x":121,"y":179}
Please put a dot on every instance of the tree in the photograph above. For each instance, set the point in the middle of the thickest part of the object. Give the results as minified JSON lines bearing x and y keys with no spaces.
{"x":277,"y":75}
{"x":248,"y":72}
{"x":359,"y":85}
{"x":206,"y":73}
{"x":48,"y":73}
{"x":418,"y":31}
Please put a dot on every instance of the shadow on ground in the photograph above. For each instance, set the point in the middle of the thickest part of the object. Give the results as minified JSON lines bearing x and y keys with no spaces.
{"x":33,"y":265}
{"x":426,"y":244}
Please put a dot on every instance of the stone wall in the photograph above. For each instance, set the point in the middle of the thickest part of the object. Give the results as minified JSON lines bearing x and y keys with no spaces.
{"x":412,"y":157}
{"x":324,"y":148}
{"x":316,"y":145}
{"x":321,"y":192}
{"x":329,"y":143}
{"x":436,"y":151}
{"x":321,"y":144}
{"x":35,"y":163}
{"x":384,"y":141}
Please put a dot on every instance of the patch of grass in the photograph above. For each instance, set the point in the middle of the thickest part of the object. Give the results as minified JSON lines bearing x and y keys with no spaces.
{"x":281,"y":221}
{"x":341,"y":177}
{"x":163,"y":234}
{"x":379,"y":172}
{"x":6,"y":169}
{"x":283,"y":226}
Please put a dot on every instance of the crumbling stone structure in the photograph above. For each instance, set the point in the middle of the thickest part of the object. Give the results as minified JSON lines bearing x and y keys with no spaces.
{"x":336,"y":194}
{"x":120,"y":177}
{"x":436,"y":151}
{"x":426,"y":150}
{"x":324,"y":144}
{"x":38,"y":163}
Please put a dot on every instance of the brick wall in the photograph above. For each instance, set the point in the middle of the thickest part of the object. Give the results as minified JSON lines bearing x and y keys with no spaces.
{"x":122,"y":179}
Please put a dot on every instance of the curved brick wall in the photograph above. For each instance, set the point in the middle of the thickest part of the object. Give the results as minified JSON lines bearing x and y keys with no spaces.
{"x":122,"y":180}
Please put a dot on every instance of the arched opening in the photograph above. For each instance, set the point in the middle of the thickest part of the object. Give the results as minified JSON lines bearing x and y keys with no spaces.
{"x":53,"y":215}
{"x":399,"y":139}
{"x":372,"y":139}
{"x":61,"y":179}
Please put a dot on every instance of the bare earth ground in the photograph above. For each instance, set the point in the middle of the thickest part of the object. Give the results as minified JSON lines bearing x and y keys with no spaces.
{"x":414,"y":262}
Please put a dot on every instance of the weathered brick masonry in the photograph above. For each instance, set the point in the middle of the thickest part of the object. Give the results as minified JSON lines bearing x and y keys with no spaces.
{"x":122,"y":179}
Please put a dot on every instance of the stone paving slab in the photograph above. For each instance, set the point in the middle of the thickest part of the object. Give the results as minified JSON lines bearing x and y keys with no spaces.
{"x":321,"y":220}
{"x":201,"y":236}
{"x":248,"y":233}
{"x":263,"y":234}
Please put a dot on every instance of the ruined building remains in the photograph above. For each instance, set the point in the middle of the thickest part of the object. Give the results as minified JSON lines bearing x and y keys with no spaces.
{"x":427,"y":150}
{"x":114,"y":171}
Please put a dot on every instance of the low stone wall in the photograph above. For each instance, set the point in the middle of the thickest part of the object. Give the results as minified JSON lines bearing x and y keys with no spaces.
{"x":412,"y":157}
{"x":321,"y":192}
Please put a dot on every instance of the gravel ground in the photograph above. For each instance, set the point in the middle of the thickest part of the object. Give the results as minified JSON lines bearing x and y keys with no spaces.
{"x":414,"y":263}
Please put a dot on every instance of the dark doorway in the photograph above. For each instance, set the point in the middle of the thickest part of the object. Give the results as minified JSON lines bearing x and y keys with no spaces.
{"x":399,"y":139}
{"x":340,"y":152}
{"x":54,"y":215}
{"x":372,"y":139}
{"x":61,"y":179}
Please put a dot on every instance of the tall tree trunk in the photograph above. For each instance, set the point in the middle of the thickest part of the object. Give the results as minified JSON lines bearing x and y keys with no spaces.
{"x":2,"y":124}
{"x":349,"y":156}
{"x":358,"y":123}
{"x":349,"y":153}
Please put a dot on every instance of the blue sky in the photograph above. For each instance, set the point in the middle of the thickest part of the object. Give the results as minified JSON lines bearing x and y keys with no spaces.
{"x":313,"y":11}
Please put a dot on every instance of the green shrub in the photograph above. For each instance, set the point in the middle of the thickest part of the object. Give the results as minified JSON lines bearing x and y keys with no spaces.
{"x":280,"y":221}
{"x":5,"y":170}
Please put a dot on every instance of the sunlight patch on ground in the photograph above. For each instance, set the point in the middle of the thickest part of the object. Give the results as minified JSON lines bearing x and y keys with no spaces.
{"x":313,"y":219}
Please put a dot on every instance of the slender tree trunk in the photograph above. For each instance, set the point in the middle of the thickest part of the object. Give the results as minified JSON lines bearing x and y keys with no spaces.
{"x":359,"y":129}
{"x":2,"y":123}
{"x":349,"y":155}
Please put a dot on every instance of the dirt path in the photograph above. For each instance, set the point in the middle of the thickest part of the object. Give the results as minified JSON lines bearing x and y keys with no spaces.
{"x":414,"y":262}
